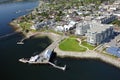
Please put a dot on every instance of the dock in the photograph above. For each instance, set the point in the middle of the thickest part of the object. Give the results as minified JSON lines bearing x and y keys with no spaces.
{"x":41,"y":59}
{"x":62,"y":68}
{"x":21,"y":41}
{"x":44,"y":57}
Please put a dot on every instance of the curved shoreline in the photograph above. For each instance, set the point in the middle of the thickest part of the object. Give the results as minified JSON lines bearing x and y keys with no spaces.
{"x":16,"y":26}
{"x":88,"y":55}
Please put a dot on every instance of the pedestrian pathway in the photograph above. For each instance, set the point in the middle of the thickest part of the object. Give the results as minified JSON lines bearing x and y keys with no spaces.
{"x":81,"y":45}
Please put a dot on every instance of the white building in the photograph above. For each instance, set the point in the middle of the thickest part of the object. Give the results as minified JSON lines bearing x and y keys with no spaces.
{"x":95,"y":32}
{"x":70,"y":25}
{"x":34,"y":58}
{"x":47,"y":54}
{"x":81,"y":28}
{"x":105,"y":19}
{"x":97,"y":35}
{"x":59,"y":28}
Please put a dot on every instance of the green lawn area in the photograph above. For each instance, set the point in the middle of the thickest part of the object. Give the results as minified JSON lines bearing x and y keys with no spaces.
{"x":116,"y":22}
{"x":25,"y":25}
{"x":71,"y":45}
{"x":91,"y":47}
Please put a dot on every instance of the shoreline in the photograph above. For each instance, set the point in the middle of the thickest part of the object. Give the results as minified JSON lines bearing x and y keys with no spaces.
{"x":15,"y":26}
{"x":82,"y":55}
{"x":88,"y":55}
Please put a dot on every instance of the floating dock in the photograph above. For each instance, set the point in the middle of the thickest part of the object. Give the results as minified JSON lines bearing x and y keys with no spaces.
{"x":42,"y":59}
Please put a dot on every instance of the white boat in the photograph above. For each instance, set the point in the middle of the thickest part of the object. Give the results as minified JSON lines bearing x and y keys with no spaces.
{"x":23,"y":60}
{"x":20,"y":43}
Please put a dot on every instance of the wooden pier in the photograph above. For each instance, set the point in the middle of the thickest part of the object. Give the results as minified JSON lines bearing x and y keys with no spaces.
{"x":62,"y":68}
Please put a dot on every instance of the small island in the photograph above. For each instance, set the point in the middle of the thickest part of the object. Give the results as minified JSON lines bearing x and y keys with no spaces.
{"x":78,"y":28}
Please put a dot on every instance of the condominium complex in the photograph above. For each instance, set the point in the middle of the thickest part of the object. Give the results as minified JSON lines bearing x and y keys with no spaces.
{"x":95,"y":32}
{"x":97,"y":35}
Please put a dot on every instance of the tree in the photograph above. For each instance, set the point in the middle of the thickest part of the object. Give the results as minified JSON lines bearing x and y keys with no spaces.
{"x":58,"y":18}
{"x":37,"y":10}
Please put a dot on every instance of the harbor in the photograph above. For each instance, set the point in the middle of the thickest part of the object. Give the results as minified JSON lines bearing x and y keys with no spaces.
{"x":45,"y":56}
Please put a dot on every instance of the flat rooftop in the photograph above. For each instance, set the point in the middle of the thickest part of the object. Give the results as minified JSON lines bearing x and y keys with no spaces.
{"x":97,"y":27}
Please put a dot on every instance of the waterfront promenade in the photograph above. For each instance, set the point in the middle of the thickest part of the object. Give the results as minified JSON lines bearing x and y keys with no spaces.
{"x":90,"y":54}
{"x":54,"y":37}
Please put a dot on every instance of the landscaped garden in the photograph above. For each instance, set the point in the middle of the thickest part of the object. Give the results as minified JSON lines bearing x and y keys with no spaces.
{"x":71,"y":44}
{"x":89,"y":46}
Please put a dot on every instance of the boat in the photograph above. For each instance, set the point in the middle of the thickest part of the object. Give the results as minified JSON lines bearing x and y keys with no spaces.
{"x":23,"y":60}
{"x":20,"y":43}
{"x":18,"y":11}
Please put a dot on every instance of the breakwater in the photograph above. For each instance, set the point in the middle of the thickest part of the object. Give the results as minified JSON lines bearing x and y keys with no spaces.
{"x":8,"y":35}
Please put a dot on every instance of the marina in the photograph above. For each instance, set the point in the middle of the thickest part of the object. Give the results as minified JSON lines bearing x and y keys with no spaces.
{"x":43,"y":58}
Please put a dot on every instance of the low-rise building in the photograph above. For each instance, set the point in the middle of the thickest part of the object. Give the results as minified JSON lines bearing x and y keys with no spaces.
{"x":105,"y":19}
{"x":70,"y":25}
{"x":59,"y":28}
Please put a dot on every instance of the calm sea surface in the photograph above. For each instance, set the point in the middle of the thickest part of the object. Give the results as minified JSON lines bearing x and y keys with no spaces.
{"x":10,"y":52}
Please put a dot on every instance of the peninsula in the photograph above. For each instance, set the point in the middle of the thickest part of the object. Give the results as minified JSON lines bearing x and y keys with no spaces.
{"x":87,"y":28}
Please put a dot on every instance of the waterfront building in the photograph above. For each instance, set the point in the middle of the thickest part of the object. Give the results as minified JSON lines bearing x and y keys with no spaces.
{"x":34,"y":58}
{"x":98,"y":34}
{"x":95,"y":32}
{"x":47,"y":54}
{"x":81,"y":28}
{"x":113,"y":51}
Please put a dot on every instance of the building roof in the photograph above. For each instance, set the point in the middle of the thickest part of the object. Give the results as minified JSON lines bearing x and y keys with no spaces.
{"x":97,"y":27}
{"x":114,"y":51}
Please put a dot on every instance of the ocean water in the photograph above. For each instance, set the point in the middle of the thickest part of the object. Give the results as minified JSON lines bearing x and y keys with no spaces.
{"x":10,"y":52}
{"x":8,"y":9}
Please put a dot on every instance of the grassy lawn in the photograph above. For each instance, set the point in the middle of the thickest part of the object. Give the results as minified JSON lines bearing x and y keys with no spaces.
{"x":116,"y":22}
{"x":91,"y":47}
{"x":71,"y":45}
{"x":25,"y":25}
